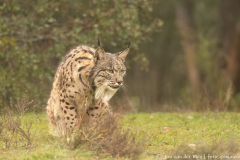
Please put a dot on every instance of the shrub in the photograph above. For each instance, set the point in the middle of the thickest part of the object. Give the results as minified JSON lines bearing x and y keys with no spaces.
{"x":35,"y":35}
{"x":108,"y":138}
{"x":14,"y":132}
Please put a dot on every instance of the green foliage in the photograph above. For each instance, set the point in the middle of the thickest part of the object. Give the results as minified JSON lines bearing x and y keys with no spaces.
{"x":34,"y":35}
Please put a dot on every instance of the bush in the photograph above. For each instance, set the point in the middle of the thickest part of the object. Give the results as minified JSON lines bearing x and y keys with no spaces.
{"x":34,"y":35}
{"x":109,"y":139}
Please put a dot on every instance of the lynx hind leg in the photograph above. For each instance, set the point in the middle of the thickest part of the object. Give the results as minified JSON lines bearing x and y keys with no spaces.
{"x":55,"y":116}
{"x":60,"y":124}
{"x":51,"y":118}
{"x":70,"y":116}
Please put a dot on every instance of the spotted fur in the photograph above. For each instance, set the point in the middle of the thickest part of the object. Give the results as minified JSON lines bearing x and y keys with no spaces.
{"x":85,"y":81}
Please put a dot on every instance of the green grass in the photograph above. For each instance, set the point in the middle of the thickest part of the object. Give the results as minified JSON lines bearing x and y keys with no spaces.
{"x":207,"y":128}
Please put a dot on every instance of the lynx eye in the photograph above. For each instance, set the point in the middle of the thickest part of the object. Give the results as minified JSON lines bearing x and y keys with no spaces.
{"x":123,"y":71}
{"x":110,"y":71}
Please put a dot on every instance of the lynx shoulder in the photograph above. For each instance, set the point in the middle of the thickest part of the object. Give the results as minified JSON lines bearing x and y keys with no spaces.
{"x":85,"y":81}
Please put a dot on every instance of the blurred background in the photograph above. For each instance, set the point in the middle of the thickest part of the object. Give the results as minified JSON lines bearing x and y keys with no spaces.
{"x":184,"y":55}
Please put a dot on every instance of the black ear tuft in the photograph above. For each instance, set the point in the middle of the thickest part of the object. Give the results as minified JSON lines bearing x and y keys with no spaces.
{"x":129,"y":44}
{"x":98,"y":42}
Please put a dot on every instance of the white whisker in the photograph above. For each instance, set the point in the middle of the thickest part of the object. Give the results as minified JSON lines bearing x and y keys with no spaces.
{"x":126,"y":86}
{"x":125,"y":89}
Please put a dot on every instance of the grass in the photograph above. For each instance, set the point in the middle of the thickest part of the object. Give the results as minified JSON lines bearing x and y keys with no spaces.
{"x":184,"y":129}
{"x":190,"y":128}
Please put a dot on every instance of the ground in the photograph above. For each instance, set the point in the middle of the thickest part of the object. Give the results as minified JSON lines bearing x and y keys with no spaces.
{"x":166,"y":131}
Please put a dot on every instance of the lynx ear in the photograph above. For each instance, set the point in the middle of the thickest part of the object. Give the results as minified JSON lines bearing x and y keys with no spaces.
{"x":99,"y":54}
{"x":122,"y":55}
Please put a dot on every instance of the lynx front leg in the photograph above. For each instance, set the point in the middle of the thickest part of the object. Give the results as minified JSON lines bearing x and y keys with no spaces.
{"x":95,"y":113}
{"x":70,"y":115}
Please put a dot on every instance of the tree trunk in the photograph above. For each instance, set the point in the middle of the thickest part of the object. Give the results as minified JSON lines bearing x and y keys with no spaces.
{"x":229,"y":47}
{"x":185,"y":25}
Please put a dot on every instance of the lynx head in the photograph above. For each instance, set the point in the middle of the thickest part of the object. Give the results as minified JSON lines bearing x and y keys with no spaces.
{"x":108,"y":72}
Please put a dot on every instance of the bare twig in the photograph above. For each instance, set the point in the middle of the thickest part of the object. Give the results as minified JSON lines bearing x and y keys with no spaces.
{"x":11,"y":128}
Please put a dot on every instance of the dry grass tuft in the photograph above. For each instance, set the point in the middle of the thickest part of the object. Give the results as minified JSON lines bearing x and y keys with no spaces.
{"x":221,"y":148}
{"x":109,"y":139}
{"x":14,"y":132}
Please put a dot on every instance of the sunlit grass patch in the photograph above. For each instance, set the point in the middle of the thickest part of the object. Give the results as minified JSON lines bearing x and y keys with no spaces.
{"x":188,"y":128}
{"x":164,"y":132}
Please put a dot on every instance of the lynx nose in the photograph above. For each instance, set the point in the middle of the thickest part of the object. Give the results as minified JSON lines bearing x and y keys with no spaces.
{"x":119,"y":82}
